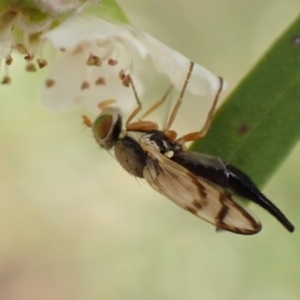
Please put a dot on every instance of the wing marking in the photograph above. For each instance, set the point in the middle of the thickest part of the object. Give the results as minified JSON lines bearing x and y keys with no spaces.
{"x":201,"y":197}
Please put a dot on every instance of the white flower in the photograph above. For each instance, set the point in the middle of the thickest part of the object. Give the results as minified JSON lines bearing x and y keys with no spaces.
{"x":89,"y":55}
{"x":95,"y":51}
{"x":21,"y":25}
{"x":87,"y":71}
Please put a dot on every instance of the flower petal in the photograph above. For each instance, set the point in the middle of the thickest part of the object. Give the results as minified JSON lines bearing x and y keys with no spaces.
{"x":175,"y":65}
{"x":80,"y":28}
{"x":71,"y":84}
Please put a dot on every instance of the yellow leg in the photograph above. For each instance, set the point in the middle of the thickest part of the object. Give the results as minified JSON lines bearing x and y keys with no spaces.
{"x":179,"y":101}
{"x":157,"y":104}
{"x":138,"y":126}
{"x":193,"y":136}
{"x":138,"y":109}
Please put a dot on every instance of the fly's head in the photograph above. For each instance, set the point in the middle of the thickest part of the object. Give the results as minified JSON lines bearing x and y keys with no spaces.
{"x":107,"y":127}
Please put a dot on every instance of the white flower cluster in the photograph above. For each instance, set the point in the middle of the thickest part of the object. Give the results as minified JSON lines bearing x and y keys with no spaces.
{"x":88,"y":56}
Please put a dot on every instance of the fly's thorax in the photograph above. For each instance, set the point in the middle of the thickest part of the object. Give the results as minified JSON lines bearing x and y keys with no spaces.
{"x":130,"y":149}
{"x":160,"y":143}
{"x":130,"y":154}
{"x":107,"y":127}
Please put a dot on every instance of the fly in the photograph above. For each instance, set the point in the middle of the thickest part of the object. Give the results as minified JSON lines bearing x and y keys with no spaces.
{"x":204,"y":185}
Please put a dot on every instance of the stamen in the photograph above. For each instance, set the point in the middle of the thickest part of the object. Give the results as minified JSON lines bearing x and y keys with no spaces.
{"x":129,"y":64}
{"x":26,"y":44}
{"x":128,"y":67}
{"x":94,"y":60}
{"x":112,"y":62}
{"x":42,"y":62}
{"x":85,"y":85}
{"x":116,"y":53}
{"x":126,"y":81}
{"x":29,"y":57}
{"x":6,"y":80}
{"x":124,"y":78}
{"x":108,"y":48}
{"x":8,"y":60}
{"x":31,"y":67}
{"x":100,"y":81}
{"x":78,"y":50}
{"x":49,"y":83}
{"x":21,"y":48}
{"x":87,"y":78}
{"x":122,"y":74}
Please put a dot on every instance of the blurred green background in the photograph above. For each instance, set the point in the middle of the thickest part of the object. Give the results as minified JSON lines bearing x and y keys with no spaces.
{"x":74,"y":225}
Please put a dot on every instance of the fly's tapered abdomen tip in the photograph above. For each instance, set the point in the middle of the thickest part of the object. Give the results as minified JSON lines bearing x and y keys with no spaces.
{"x":284,"y":221}
{"x":289,"y":226}
{"x":243,"y":186}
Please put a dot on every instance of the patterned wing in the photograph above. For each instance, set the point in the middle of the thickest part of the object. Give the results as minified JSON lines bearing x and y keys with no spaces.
{"x":198,"y":195}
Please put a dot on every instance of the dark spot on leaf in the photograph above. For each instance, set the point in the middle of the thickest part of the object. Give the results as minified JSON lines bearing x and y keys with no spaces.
{"x":296,"y":40}
{"x":243,"y":129}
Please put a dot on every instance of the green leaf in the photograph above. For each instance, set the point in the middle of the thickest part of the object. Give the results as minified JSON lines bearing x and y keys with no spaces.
{"x":259,"y":124}
{"x":107,"y":9}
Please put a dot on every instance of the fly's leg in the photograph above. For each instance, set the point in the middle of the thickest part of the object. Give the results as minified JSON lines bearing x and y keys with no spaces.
{"x":158,"y":103}
{"x":142,"y":125}
{"x":139,"y":107}
{"x":179,"y":101}
{"x":201,"y":134}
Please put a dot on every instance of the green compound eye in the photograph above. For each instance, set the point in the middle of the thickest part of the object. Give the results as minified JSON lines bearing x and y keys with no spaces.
{"x":107,"y":127}
{"x":102,"y":126}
